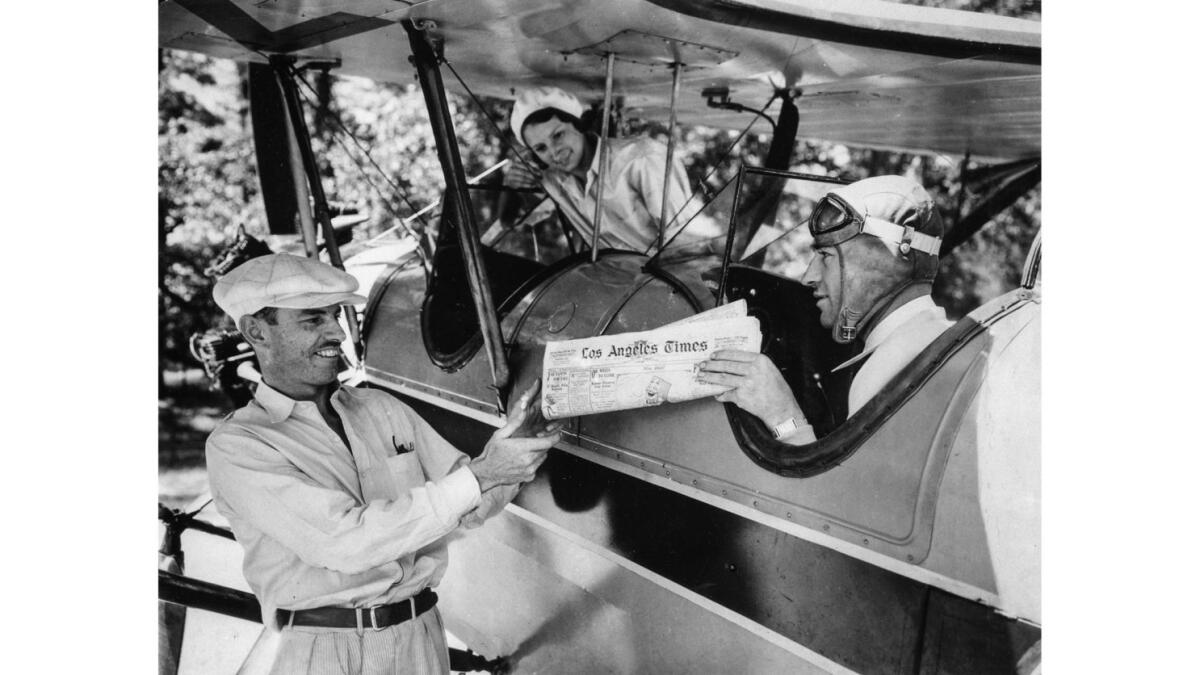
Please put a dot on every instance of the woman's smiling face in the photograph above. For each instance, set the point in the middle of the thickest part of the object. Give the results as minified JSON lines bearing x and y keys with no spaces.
{"x":557,"y":143}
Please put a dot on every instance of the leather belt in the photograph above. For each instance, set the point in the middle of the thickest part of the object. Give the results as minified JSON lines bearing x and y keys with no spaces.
{"x":376,"y":618}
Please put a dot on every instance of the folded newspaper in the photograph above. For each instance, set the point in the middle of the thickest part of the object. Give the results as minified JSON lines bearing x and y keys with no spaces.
{"x":636,"y":370}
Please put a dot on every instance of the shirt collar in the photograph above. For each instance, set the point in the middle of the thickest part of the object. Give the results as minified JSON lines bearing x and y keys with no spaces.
{"x":279,"y":406}
{"x":888,"y":325}
{"x":899,"y":317}
{"x":593,"y":173}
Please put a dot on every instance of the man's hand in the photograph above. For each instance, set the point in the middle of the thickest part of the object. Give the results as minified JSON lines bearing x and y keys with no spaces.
{"x":522,"y":174}
{"x":508,"y":458}
{"x":757,"y":385}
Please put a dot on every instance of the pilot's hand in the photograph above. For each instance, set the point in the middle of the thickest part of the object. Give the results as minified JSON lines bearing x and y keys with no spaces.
{"x":511,"y":457}
{"x":756,"y":384}
{"x":522,"y":174}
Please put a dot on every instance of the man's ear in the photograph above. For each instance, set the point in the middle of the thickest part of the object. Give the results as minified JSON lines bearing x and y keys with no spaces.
{"x":252,"y":329}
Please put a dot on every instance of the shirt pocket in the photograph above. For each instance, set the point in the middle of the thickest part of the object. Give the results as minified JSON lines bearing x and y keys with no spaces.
{"x":406,"y":471}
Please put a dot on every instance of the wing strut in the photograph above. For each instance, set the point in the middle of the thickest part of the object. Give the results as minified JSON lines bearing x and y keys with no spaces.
{"x":426,"y":60}
{"x":608,"y":86}
{"x":1018,"y":178}
{"x":303,"y":142}
{"x":662,"y":219}
{"x":308,"y":226}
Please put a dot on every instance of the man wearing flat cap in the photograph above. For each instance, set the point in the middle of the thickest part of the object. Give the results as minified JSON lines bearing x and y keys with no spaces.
{"x":547,"y":120}
{"x":342,"y":497}
{"x":876,"y":244}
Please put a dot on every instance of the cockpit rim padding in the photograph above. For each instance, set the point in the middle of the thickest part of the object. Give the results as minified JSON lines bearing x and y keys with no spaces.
{"x":803,"y":461}
{"x":460,"y":357}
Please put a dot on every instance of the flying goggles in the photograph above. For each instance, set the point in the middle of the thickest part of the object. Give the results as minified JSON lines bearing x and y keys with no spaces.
{"x":835,"y":221}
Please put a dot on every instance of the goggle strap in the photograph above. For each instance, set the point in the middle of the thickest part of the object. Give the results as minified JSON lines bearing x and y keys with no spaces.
{"x":877,"y":227}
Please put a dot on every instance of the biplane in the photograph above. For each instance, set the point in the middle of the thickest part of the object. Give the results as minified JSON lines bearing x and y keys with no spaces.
{"x":680,"y":538}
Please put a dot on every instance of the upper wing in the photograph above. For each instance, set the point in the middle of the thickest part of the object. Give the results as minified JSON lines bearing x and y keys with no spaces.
{"x":877,"y":74}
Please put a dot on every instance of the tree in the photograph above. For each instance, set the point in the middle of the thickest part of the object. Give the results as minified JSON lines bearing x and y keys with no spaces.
{"x":208,"y":183}
{"x":207,"y":186}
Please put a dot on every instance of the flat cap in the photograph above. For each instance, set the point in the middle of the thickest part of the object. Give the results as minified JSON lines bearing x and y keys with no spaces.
{"x":282,"y":280}
{"x":540,"y":98}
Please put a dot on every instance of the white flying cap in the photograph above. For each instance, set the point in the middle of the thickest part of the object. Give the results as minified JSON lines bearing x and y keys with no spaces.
{"x":282,"y":280}
{"x":540,"y":98}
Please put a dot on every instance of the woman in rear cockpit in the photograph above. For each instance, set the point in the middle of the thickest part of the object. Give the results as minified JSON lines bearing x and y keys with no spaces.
{"x":566,"y":163}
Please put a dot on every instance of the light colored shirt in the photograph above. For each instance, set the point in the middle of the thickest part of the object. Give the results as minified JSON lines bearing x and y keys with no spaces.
{"x":633,"y":194}
{"x":326,"y":525}
{"x":890,"y":346}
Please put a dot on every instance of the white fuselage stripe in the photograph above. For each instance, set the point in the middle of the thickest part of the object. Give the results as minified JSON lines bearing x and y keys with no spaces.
{"x":704,"y":603}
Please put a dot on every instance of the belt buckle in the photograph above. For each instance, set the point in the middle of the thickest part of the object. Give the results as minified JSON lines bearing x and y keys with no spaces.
{"x":374,"y":622}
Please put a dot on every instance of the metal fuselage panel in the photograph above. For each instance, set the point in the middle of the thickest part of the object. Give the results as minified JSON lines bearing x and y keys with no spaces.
{"x":882,"y":498}
{"x":589,"y":553}
{"x":395,"y":352}
{"x":879,"y":505}
{"x":989,"y":502}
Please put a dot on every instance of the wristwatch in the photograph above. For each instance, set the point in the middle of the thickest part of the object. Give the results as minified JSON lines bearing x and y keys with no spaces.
{"x":784,"y":428}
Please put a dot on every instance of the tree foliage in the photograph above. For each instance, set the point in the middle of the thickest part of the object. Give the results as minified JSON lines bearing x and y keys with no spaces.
{"x":385,"y":166}
{"x":207,"y":185}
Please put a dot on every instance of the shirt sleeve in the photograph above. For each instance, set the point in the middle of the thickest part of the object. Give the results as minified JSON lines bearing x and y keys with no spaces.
{"x":490,"y":503}
{"x":647,"y":173}
{"x":327,"y":527}
{"x":443,"y":457}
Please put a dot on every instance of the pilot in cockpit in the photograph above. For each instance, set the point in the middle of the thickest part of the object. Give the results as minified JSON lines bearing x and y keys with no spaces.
{"x":876,"y":244}
{"x":567,"y":165}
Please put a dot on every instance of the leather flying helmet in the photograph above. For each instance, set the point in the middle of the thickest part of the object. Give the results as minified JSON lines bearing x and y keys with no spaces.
{"x":897,"y":212}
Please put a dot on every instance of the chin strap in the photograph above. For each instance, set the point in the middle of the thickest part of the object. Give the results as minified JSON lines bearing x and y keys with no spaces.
{"x":847,"y":325}
{"x":850,"y":323}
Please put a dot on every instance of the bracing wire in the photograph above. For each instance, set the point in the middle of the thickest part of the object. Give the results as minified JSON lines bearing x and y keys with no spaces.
{"x":296,"y":75}
{"x":366,"y":176}
{"x":193,"y":513}
{"x":337,"y":118}
{"x":719,"y":162}
{"x":496,"y":127}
